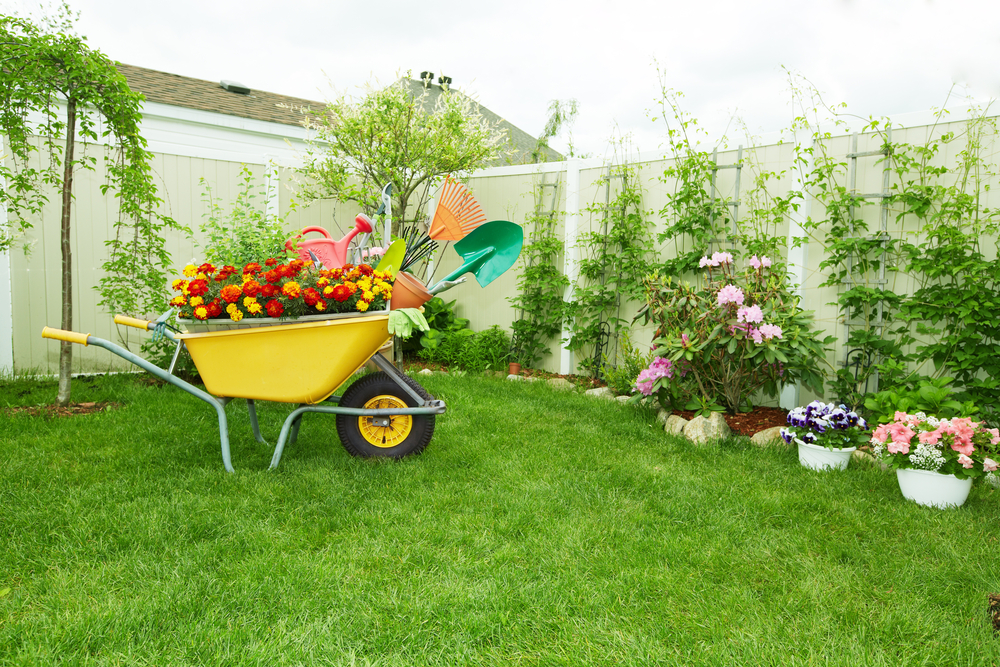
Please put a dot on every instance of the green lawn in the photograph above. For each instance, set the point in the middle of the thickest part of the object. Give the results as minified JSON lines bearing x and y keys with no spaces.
{"x":538,"y":528}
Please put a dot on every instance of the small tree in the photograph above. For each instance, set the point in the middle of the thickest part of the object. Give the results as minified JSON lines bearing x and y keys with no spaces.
{"x":395,"y":136}
{"x":53,"y":89}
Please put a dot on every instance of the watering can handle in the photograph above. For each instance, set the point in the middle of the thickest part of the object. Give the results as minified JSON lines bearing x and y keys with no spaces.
{"x":305,"y":230}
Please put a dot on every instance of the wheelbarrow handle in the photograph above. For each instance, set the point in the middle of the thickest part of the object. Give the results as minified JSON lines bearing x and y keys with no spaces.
{"x":133,"y":322}
{"x":68,"y":336}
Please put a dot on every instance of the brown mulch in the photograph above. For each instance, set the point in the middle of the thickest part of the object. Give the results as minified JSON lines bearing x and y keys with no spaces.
{"x":995,"y":610}
{"x":71,"y":410}
{"x":748,"y":423}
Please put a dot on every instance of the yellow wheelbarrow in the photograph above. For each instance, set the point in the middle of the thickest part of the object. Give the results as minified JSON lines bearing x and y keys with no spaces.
{"x":383,"y":414}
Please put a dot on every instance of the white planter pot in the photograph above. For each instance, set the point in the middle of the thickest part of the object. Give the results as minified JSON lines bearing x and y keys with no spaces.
{"x":815,"y":457}
{"x":933,"y":489}
{"x":226,"y":324}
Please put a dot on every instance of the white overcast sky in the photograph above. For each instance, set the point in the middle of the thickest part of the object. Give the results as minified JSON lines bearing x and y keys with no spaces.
{"x":880,"y":57}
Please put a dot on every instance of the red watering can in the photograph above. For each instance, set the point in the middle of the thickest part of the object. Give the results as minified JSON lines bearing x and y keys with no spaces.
{"x":331,"y":254}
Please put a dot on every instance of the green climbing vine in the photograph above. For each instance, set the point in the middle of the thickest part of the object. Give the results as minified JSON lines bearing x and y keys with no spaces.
{"x":614,"y":260}
{"x":541,"y":287}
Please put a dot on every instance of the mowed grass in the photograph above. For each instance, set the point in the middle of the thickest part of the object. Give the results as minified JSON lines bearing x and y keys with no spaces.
{"x":538,"y":528}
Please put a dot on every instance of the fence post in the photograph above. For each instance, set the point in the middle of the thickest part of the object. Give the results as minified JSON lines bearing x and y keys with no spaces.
{"x":798,"y":257}
{"x":571,"y":254}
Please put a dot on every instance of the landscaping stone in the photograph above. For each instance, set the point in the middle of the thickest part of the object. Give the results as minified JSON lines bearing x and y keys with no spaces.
{"x":663,"y":415}
{"x":863,"y":457}
{"x":601,"y":392}
{"x":425,"y":371}
{"x":700,"y":430}
{"x":769,"y":436}
{"x":674,"y":424}
{"x":561,"y":383}
{"x":521,"y":378}
{"x":622,"y":399}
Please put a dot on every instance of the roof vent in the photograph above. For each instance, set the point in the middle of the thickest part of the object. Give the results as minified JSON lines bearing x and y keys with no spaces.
{"x":427,"y":78}
{"x":445,"y":81}
{"x":234,"y":87}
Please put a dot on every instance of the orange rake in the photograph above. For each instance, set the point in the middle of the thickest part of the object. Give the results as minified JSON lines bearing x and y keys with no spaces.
{"x":457,"y":213}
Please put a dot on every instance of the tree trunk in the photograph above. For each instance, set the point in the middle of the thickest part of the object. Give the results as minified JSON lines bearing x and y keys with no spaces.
{"x":65,"y":348}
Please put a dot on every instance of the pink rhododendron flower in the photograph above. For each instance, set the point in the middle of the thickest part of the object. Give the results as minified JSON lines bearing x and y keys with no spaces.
{"x":995,"y":432}
{"x":752,"y":314}
{"x":754,"y":262}
{"x":989,"y":465}
{"x":755,"y":333}
{"x":730,"y":294}
{"x":685,"y":341}
{"x":705,"y":261}
{"x":661,"y":367}
{"x":721,"y":258}
{"x":965,"y":461}
{"x":765,"y":262}
{"x":770,"y":331}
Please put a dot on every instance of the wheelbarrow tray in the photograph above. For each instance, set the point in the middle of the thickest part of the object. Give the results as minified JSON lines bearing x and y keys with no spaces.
{"x":300,"y":362}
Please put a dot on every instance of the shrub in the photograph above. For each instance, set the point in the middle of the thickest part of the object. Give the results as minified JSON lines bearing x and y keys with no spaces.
{"x":631,"y":361}
{"x":736,"y":335}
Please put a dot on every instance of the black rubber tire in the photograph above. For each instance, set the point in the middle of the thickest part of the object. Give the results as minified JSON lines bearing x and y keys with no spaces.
{"x":367,"y":388}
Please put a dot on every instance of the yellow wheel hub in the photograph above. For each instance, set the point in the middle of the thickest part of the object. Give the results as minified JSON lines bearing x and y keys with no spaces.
{"x":385,"y":431}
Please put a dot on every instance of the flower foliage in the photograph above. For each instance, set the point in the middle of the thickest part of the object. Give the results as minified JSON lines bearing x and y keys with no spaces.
{"x":276,"y":289}
{"x":825,"y":425}
{"x":739,"y":333}
{"x":957,"y":446}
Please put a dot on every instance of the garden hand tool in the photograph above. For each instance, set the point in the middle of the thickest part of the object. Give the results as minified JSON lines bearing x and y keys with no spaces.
{"x":446,"y":285}
{"x":487,"y":251}
{"x":393,"y":257}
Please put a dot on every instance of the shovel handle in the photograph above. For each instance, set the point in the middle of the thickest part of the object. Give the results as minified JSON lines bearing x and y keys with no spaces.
{"x":132,"y":322}
{"x":68,"y":336}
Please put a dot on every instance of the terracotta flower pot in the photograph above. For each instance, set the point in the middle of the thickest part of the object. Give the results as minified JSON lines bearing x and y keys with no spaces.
{"x":408,"y":292}
{"x":514,"y":368}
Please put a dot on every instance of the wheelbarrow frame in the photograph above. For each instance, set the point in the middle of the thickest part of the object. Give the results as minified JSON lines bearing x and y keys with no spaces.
{"x":290,"y":428}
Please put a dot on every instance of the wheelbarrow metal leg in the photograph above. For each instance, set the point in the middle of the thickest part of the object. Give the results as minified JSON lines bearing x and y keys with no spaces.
{"x":251,"y":408}
{"x":220,"y":406}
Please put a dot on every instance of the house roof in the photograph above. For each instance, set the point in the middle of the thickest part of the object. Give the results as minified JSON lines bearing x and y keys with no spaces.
{"x":183,"y":91}
{"x":522,"y":143}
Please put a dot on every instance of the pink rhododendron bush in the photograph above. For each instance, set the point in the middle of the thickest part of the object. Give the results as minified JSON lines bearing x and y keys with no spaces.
{"x":957,"y":446}
{"x":720,"y":342}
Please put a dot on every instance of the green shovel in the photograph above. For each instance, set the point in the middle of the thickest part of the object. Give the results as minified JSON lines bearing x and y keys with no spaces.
{"x":487,"y":252}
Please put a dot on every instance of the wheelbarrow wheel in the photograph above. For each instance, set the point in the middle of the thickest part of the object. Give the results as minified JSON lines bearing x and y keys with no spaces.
{"x":387,"y":437}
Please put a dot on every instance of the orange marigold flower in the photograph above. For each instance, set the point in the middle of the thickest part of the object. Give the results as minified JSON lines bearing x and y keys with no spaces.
{"x":274,"y":308}
{"x":251,"y":288}
{"x":291,"y":290}
{"x":342,"y":293}
{"x":310,"y":296}
{"x":271,"y":261}
{"x":269,"y":290}
{"x":231,"y":293}
{"x":206,"y":268}
{"x":367,"y":296}
{"x":214,"y":308}
{"x":190,"y":270}
{"x":201,"y":313}
{"x":320,"y":305}
{"x":178,"y":301}
{"x":236,"y":315}
{"x":336,"y":274}
{"x":197,"y":301}
{"x":365,"y":269}
{"x":247,"y":300}
{"x":255,"y":308}
{"x":252,"y":267}
{"x":362,"y":305}
{"x":232,"y":308}
{"x":328,"y":290}
{"x":178,"y":284}
{"x":273,"y":276}
{"x":197,"y":287}
{"x":323,"y":281}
